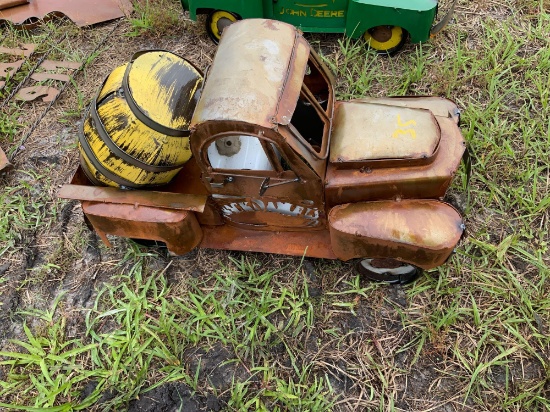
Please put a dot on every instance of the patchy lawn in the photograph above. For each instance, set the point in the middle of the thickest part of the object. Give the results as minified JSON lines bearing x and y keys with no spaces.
{"x":83,"y":326}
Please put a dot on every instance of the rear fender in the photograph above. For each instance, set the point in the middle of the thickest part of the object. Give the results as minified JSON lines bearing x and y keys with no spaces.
{"x":178,"y":229}
{"x":415,"y":17}
{"x":139,"y":214}
{"x":423,"y":233}
{"x":245,"y":9}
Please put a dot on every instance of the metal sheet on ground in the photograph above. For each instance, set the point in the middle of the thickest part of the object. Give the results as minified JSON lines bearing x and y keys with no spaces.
{"x":81,"y":12}
{"x":4,"y":162}
{"x":4,"y":4}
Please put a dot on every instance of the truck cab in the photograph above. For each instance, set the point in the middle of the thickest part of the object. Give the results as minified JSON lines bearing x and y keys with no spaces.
{"x":280,"y":166}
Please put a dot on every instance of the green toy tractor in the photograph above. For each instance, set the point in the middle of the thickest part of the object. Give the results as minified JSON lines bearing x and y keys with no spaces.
{"x":384,"y":24}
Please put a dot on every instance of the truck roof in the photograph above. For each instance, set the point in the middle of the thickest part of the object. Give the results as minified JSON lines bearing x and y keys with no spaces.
{"x":256,"y":75}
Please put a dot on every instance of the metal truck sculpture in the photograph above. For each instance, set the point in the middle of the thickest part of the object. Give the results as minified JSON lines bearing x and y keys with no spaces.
{"x":384,"y":24}
{"x":261,"y":157}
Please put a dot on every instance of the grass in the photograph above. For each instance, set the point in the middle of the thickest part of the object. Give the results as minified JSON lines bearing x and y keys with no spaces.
{"x":158,"y":18}
{"x":302,"y":335}
{"x":138,"y":330}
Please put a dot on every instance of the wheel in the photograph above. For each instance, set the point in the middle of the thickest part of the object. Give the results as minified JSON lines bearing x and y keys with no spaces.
{"x":216,"y":23}
{"x":387,"y":270}
{"x":386,"y":39}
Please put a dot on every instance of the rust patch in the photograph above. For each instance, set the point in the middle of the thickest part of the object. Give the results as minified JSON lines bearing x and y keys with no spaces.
{"x":4,"y":162}
{"x":7,"y":70}
{"x":179,"y":229}
{"x":420,"y":232}
{"x":270,"y":24}
{"x":24,"y":50}
{"x":391,"y":180}
{"x":113,"y":195}
{"x":6,"y":4}
{"x":79,"y":11}
{"x":28,"y":94}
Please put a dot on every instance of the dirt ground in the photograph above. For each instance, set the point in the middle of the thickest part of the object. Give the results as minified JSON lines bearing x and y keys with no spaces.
{"x":47,"y":147}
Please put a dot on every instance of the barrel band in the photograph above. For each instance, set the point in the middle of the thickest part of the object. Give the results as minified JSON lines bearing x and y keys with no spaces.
{"x":138,"y":112}
{"x":102,"y":132}
{"x":87,"y":172}
{"x":97,"y":164}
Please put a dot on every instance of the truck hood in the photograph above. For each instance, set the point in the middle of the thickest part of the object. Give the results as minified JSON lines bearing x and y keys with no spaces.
{"x":380,"y":134}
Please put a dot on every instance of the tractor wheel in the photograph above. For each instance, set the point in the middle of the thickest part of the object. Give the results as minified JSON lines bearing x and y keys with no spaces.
{"x":217,"y":21}
{"x":386,"y":40}
{"x":387,"y":270}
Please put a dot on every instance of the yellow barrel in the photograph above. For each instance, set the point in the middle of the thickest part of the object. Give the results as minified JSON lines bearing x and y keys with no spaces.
{"x":135,"y":133}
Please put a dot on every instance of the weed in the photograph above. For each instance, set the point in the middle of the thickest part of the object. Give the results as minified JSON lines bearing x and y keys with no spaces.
{"x":155,"y":18}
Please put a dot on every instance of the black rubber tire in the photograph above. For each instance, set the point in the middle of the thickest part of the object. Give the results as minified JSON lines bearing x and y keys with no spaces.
{"x":402,"y":274}
{"x":218,"y":15}
{"x":380,"y":46}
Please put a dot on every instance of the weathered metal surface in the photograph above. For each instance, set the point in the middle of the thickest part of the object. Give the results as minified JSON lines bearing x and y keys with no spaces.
{"x":59,"y":64}
{"x":420,"y":182}
{"x":290,"y":189}
{"x":136,"y":132}
{"x":7,"y":71}
{"x":421,"y":232}
{"x":111,"y":195}
{"x":364,"y":132}
{"x":227,"y":237}
{"x":439,"y":106}
{"x":179,"y":229}
{"x":4,"y":162}
{"x":48,"y":94}
{"x":55,"y":66}
{"x":270,"y":213}
{"x":81,"y":12}
{"x":24,"y":50}
{"x":260,"y":83}
{"x":5,"y":4}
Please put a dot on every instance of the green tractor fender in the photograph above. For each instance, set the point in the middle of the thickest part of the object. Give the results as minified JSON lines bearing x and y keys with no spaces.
{"x":242,"y":8}
{"x":414,"y":16}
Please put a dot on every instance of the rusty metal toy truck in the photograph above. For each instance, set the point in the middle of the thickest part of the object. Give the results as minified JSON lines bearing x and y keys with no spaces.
{"x":279,"y":166}
{"x":385,"y":25}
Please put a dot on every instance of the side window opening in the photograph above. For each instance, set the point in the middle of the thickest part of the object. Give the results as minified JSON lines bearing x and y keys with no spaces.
{"x":245,"y":152}
{"x":317,"y":84}
{"x":308,"y":124}
{"x":307,"y":119}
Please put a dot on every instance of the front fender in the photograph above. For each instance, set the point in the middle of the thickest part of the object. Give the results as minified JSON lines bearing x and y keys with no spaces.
{"x":420,"y":232}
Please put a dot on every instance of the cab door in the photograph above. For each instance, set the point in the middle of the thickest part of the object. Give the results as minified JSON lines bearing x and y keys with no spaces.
{"x":254,"y":186}
{"x":312,"y":15}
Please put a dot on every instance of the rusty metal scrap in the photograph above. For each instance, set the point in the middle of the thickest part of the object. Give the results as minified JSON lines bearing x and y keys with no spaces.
{"x":4,"y":162}
{"x":8,"y":70}
{"x":24,"y":50}
{"x":178,"y":201}
{"x":6,"y":4}
{"x":47,"y":93}
{"x":81,"y":12}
